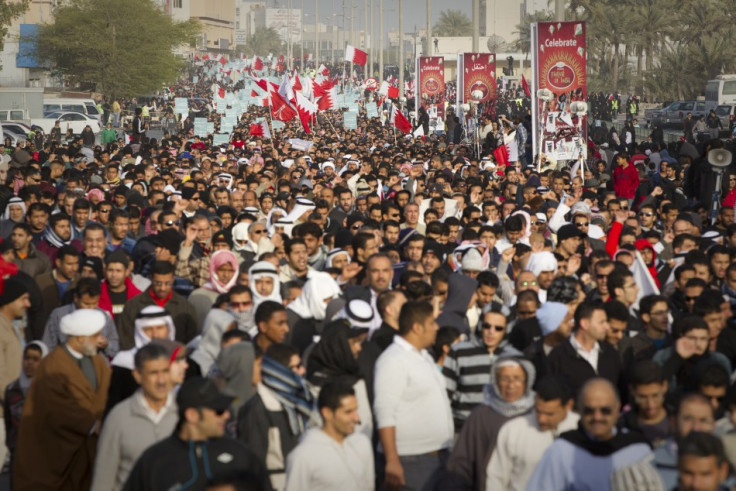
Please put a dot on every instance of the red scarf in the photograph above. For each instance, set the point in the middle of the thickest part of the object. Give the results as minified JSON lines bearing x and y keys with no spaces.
{"x":161,"y":302}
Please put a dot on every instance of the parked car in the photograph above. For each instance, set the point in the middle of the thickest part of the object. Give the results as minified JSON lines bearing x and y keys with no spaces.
{"x":674,"y":114}
{"x":727,"y":114}
{"x":17,"y":127}
{"x":75,"y":121}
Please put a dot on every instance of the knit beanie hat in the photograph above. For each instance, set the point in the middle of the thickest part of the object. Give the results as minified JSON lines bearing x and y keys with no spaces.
{"x":550,"y":316}
{"x":12,"y":290}
{"x":169,"y":239}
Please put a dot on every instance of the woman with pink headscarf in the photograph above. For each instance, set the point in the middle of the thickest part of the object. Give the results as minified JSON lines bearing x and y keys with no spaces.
{"x":223,"y":275}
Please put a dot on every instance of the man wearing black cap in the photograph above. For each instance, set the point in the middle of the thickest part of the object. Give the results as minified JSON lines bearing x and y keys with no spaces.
{"x":197,"y":453}
{"x":569,"y":238}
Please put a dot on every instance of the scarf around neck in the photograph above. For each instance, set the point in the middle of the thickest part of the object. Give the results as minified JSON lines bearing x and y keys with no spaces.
{"x":53,"y":239}
{"x":291,"y":391}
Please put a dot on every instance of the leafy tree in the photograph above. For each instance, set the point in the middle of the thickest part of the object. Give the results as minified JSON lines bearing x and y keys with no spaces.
{"x":453,"y":23}
{"x":264,"y":40}
{"x":121,"y":48}
{"x":9,"y":11}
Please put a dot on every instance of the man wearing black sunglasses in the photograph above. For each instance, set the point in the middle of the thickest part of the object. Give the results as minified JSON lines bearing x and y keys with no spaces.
{"x":198,"y":451}
{"x":597,"y":442}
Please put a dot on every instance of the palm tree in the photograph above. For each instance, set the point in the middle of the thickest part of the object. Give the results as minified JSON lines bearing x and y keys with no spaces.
{"x":523,"y":42}
{"x":264,"y":40}
{"x":453,"y":23}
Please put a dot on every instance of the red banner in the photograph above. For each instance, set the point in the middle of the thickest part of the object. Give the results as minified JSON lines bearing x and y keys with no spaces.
{"x":431,"y":89}
{"x":559,"y":50}
{"x":477,"y":72}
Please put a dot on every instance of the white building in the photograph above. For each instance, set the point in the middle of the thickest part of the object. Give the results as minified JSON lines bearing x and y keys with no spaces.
{"x":243,"y":22}
{"x":500,"y":18}
{"x":287,"y":22}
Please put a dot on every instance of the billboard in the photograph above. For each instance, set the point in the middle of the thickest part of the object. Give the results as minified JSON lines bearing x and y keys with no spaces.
{"x":558,"y":71}
{"x":476,"y":71}
{"x":430,"y":92}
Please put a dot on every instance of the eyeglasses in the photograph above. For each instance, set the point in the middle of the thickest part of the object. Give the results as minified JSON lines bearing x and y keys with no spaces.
{"x":241,"y":304}
{"x":529,"y":283}
{"x":646,"y":214}
{"x":356,"y":226}
{"x":625,"y":207}
{"x":259,"y":232}
{"x":486,"y":325}
{"x":296,"y":366}
{"x":590,"y":411}
{"x":691,"y":299}
{"x":582,"y":224}
{"x":106,"y":210}
{"x":171,"y":223}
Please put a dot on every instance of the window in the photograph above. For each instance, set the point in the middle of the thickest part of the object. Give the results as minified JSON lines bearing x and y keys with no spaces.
{"x":177,"y":4}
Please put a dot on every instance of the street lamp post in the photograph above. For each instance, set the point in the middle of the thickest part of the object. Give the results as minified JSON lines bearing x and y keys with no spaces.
{"x":316,"y":33}
{"x":380,"y":41}
{"x":401,"y":48}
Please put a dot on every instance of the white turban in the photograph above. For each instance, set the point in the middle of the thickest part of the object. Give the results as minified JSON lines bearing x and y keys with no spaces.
{"x":542,"y":261}
{"x":83,"y":322}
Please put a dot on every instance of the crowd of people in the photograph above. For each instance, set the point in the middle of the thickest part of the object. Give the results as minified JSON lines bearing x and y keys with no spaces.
{"x":352,"y":309}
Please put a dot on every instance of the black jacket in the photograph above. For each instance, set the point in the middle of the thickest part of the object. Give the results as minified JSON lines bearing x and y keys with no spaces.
{"x":565,"y":361}
{"x":176,"y":464}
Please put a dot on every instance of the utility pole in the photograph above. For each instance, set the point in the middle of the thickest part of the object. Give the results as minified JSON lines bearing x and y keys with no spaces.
{"x":365,"y":39}
{"x":428,"y":51}
{"x":316,"y":33}
{"x":476,"y":25}
{"x":401,"y":48}
{"x":380,"y":41}
{"x":560,"y":10}
{"x":352,"y":43}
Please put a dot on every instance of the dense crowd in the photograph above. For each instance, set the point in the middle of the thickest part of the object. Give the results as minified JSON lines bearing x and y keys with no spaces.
{"x":359,"y":309}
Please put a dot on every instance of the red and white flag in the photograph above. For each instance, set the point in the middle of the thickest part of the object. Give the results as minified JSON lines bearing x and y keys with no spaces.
{"x":306,"y":109}
{"x":322,"y":70}
{"x":295,"y":82}
{"x":257,"y":63}
{"x":260,"y":129}
{"x":355,"y":55}
{"x":328,"y":100}
{"x":280,"y":108}
{"x":399,"y":121}
{"x":220,"y":92}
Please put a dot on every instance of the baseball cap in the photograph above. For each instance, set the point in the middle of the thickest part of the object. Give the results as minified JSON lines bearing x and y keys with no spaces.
{"x":202,"y":392}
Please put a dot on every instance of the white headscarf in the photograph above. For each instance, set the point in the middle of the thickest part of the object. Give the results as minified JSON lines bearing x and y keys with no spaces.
{"x":259,"y":270}
{"x":240,"y":232}
{"x":153,"y":315}
{"x":14,"y":201}
{"x":333,"y":254}
{"x":311,"y":303}
{"x":541,"y":261}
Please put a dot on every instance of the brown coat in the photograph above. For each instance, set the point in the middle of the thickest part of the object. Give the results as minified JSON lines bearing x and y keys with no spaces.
{"x":55,"y":450}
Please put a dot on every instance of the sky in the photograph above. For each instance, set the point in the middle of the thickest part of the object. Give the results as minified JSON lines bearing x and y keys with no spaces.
{"x":415,"y":13}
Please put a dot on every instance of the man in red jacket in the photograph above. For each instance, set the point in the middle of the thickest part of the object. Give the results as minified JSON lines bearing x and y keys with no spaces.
{"x":625,"y":177}
{"x":117,"y":288}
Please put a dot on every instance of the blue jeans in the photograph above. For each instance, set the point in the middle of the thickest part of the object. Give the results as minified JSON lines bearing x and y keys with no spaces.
{"x":421,"y":472}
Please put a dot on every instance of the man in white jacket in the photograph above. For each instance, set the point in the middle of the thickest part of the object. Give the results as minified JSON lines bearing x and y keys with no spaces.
{"x":523,"y":440}
{"x":333,"y":457}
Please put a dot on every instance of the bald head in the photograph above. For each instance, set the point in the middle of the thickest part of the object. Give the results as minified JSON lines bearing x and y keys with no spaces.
{"x":599,"y":407}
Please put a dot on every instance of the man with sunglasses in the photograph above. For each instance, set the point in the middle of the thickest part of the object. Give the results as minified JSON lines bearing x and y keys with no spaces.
{"x":585,"y":458}
{"x":467,"y":368}
{"x":198,"y":451}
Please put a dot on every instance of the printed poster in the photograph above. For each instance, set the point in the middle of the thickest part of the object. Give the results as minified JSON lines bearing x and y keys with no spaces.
{"x":431,"y":90}
{"x":559,"y":66}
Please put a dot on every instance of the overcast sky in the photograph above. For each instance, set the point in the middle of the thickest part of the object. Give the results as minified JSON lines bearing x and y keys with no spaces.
{"x":415,"y":11}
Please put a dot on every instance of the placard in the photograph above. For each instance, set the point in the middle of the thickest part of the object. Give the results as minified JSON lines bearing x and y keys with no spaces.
{"x":220,"y":138}
{"x":350,"y":120}
{"x":371,"y":110}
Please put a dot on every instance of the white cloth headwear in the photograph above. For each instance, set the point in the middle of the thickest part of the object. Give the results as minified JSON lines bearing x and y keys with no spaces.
{"x":83,"y":322}
{"x":541,"y":261}
{"x":301,"y":207}
{"x":260,"y":270}
{"x":311,"y":303}
{"x":333,"y":254}
{"x":240,"y":233}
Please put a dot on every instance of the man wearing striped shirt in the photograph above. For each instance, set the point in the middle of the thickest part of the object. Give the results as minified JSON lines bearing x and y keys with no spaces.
{"x":467,"y":368}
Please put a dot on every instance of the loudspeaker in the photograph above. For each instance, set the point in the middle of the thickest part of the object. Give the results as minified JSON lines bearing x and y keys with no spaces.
{"x":719,"y":158}
{"x":545,"y":94}
{"x":579,"y":107}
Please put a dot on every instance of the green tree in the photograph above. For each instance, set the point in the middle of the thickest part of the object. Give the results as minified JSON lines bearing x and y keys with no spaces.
{"x":119,"y":48}
{"x":453,"y":23}
{"x":524,"y":30}
{"x":264,"y":40}
{"x":9,"y":11}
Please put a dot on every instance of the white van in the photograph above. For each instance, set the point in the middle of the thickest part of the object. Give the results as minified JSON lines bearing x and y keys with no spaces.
{"x":14,"y":115}
{"x":84,"y":106}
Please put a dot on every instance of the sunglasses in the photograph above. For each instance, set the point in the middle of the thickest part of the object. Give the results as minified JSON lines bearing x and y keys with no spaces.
{"x":581,"y":224}
{"x":590,"y":411}
{"x":529,"y":283}
{"x":486,"y":325}
{"x":171,"y":223}
{"x":106,"y":210}
{"x":646,"y":214}
{"x":259,"y":232}
{"x":690,"y":299}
